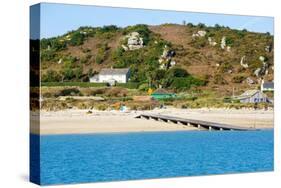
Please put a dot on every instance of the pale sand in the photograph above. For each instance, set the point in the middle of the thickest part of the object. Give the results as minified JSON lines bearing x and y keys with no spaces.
{"x":78,"y":121}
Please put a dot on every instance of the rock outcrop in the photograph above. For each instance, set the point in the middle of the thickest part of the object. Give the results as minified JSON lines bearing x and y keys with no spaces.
{"x":262,"y":59}
{"x":134,"y":42}
{"x":244,"y":65}
{"x":224,"y":46}
{"x":165,"y":59}
{"x":223,"y":42}
{"x":257,"y":72}
{"x":250,"y":81}
{"x":60,"y":61}
{"x":211,"y":41}
{"x":200,"y":33}
{"x":268,"y":48}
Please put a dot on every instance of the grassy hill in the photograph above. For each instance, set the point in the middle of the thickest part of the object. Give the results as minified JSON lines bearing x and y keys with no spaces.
{"x":191,"y":62}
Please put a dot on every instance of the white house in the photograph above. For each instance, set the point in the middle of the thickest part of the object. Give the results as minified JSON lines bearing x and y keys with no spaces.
{"x":112,"y":76}
{"x":267,"y":86}
{"x":253,"y":96}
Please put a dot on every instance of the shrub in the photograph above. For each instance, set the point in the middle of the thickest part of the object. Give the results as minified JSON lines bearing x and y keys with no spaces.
{"x":99,"y":91}
{"x":47,"y":95}
{"x":229,"y":41}
{"x":48,"y":55}
{"x":98,"y":59}
{"x":186,"y":82}
{"x":101,"y":107}
{"x":76,"y":39}
{"x":69,"y":92}
{"x":51,"y":76}
{"x":144,"y":87}
{"x":116,"y":92}
{"x":177,"y":72}
{"x":227,"y":100}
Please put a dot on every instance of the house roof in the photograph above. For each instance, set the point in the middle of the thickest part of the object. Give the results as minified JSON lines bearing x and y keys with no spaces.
{"x":268,"y":85}
{"x":248,"y":93}
{"x":114,"y":71}
{"x":161,"y":91}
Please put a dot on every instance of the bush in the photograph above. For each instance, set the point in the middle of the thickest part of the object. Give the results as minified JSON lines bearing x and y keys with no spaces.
{"x":51,"y":76}
{"x":177,"y":72}
{"x":76,"y":39}
{"x":116,"y":92}
{"x":99,"y":91}
{"x":227,"y":100}
{"x":48,"y":55}
{"x":101,"y":107}
{"x":69,"y":92}
{"x":186,"y":82}
{"x":144,"y":87}
{"x":229,"y":41}
{"x":99,"y":59}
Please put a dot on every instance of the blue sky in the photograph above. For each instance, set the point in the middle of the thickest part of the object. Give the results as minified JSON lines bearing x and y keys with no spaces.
{"x":57,"y":19}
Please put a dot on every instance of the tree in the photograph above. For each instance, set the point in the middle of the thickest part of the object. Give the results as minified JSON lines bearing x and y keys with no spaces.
{"x":217,"y":27}
{"x":201,"y":25}
{"x":76,"y":39}
{"x":190,"y":25}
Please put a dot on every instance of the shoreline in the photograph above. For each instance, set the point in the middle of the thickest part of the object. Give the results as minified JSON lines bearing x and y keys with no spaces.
{"x":80,"y":122}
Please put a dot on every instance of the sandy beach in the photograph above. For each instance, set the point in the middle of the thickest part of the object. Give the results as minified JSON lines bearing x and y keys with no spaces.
{"x":79,"y":121}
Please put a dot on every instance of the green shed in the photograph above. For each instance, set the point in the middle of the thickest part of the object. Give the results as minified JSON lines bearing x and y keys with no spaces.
{"x":162,"y":94}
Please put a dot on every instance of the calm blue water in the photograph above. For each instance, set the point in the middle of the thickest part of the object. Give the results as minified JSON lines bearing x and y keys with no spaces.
{"x":127,"y":156}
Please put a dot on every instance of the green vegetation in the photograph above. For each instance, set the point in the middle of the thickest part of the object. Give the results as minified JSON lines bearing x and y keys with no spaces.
{"x":142,"y":29}
{"x":71,"y":59}
{"x":80,"y":84}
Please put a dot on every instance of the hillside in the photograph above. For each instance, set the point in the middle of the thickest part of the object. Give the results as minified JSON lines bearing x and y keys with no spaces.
{"x":178,"y":57}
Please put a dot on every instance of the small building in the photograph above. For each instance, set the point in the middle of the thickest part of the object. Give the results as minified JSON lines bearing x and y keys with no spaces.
{"x":112,"y":76}
{"x":159,"y":94}
{"x":267,"y":86}
{"x":253,"y":96}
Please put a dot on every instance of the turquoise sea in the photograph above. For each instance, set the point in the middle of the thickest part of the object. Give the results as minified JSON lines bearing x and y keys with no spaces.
{"x":84,"y":158}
